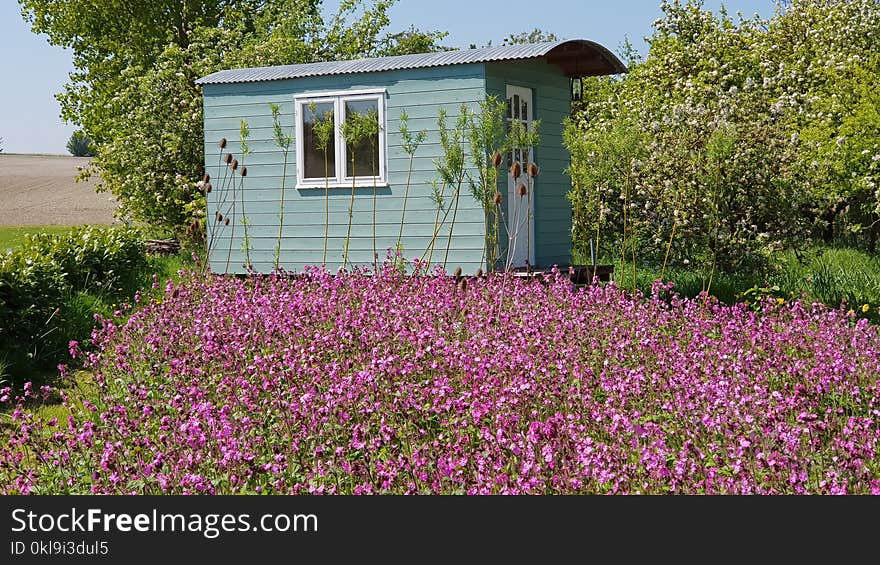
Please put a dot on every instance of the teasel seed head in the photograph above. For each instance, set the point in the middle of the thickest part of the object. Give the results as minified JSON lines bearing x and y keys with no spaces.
{"x":208,"y":188}
{"x":206,"y":178}
{"x":480,"y":272}
{"x":463,"y":284}
{"x":234,"y":164}
{"x":497,"y":199}
{"x":533,"y":170}
{"x":222,"y":143}
{"x":515,"y":169}
{"x":219,"y":217}
{"x":226,"y":222}
{"x":496,"y":159}
{"x":244,"y":171}
{"x":228,"y":158}
{"x":522,"y":189}
{"x":457,"y":273}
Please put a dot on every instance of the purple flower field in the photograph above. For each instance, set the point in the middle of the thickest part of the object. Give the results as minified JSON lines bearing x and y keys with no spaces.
{"x":359,"y":384}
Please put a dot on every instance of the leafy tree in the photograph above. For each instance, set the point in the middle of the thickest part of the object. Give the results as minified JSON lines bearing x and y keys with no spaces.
{"x":535,"y":36}
{"x":79,"y":145}
{"x":133,"y":92}
{"x":733,"y":138}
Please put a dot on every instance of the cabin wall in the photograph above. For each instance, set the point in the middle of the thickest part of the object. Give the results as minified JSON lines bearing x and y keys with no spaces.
{"x":421,"y":92}
{"x":552,"y":103}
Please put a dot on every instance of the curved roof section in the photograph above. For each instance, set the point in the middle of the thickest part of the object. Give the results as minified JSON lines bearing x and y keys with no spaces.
{"x":575,"y":57}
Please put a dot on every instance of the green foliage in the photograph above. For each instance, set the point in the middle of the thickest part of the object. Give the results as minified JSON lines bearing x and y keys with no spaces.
{"x":356,"y":129}
{"x":410,"y":143}
{"x":834,"y":277}
{"x":132,"y":90}
{"x":89,"y":255}
{"x":244,"y":134}
{"x":537,"y":35}
{"x":486,"y":139}
{"x":451,"y":163}
{"x":80,"y":145}
{"x":283,"y":141}
{"x":451,"y":173}
{"x":323,"y":128}
{"x":13,"y":236}
{"x":42,"y":279}
{"x":737,"y":138}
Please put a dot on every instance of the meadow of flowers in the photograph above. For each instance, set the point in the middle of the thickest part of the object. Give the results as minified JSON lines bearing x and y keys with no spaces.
{"x":394,"y":384}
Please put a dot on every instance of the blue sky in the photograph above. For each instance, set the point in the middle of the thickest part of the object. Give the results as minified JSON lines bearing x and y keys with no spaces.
{"x":33,"y":71}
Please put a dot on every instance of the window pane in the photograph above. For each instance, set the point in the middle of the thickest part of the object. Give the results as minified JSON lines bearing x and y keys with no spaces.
{"x":365,"y":149}
{"x":317,"y":119}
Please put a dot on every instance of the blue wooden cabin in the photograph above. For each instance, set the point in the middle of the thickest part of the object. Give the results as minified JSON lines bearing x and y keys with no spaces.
{"x":534,"y":79}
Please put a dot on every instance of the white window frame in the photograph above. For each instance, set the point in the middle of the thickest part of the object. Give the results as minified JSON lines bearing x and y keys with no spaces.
{"x":338,"y":99}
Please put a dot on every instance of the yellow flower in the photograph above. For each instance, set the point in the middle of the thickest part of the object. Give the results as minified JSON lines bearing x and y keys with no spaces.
{"x":865,"y":308}
{"x":779,"y":300}
{"x":851,"y":312}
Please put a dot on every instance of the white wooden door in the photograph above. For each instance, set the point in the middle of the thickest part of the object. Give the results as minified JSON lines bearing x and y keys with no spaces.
{"x":520,"y":208}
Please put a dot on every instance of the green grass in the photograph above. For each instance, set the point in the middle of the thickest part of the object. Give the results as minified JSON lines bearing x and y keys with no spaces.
{"x":833,"y":276}
{"x":12,"y":236}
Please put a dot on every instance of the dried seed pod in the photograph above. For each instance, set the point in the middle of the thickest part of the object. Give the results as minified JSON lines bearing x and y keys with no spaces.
{"x":522,"y":189}
{"x":222,"y":143}
{"x":244,"y":171}
{"x":533,"y":170}
{"x":228,"y":158}
{"x":515,"y":169}
{"x":206,"y":178}
{"x":234,"y":164}
{"x":496,"y":159}
{"x":219,"y":217}
{"x":463,"y":284}
{"x":497,"y":198}
{"x":226,"y":222}
{"x":208,"y":188}
{"x":480,"y":272}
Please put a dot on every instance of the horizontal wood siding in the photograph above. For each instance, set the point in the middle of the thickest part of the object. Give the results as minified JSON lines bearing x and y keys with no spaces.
{"x":552,"y":101}
{"x":421,"y":92}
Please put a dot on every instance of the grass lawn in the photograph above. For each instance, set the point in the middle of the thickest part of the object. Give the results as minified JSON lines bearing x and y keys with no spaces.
{"x":12,"y":236}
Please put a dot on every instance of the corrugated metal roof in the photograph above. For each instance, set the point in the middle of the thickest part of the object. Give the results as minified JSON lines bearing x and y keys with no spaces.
{"x":422,"y":60}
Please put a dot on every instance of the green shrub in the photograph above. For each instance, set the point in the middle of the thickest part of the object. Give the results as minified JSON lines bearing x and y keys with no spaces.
{"x":92,"y":257}
{"x":31,"y":288}
{"x":44,"y":285}
{"x":733,"y":138}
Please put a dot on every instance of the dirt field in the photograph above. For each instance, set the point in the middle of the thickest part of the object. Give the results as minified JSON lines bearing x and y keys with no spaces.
{"x":41,"y":190}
